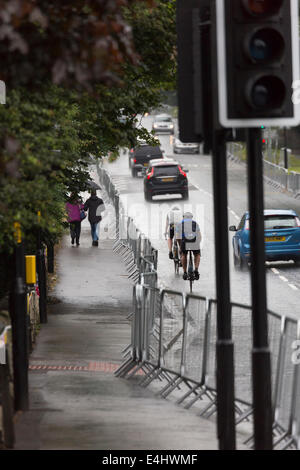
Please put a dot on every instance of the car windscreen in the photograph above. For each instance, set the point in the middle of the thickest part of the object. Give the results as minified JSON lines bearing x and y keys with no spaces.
{"x":146,"y":150}
{"x":163,"y":119}
{"x":274,"y":222}
{"x":171,"y":170}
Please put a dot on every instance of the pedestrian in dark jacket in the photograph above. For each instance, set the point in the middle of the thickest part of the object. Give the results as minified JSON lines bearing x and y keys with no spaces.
{"x":95,"y":206}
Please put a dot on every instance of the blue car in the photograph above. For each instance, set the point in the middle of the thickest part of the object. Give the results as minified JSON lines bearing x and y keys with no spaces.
{"x":282,"y":237}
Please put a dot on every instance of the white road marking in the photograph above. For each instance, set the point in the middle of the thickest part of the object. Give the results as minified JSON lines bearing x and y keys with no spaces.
{"x":293,"y":287}
{"x":284,"y":279}
{"x":275,"y":271}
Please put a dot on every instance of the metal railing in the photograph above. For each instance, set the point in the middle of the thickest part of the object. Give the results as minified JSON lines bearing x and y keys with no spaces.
{"x":275,"y":174}
{"x":136,"y":249}
{"x":174,"y":340}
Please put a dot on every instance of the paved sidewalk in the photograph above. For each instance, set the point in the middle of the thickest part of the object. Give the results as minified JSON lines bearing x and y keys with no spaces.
{"x":75,"y":400}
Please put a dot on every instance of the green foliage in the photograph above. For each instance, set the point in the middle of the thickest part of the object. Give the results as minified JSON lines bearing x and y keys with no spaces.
{"x":154,"y":35}
{"x":48,"y":133}
{"x":42,"y":159}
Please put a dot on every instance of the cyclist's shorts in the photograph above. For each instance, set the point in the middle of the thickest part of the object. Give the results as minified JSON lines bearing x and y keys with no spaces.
{"x":171,"y":231}
{"x":195,"y":252}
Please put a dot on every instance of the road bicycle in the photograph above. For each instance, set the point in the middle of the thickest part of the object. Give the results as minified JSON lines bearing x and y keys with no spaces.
{"x":190,"y":272}
{"x":176,"y":256}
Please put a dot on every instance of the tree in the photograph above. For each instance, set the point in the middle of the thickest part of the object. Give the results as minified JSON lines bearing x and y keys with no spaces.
{"x":71,"y":42}
{"x":48,"y":132}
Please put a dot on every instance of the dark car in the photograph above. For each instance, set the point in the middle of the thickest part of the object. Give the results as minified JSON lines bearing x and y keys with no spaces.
{"x":141,"y":156}
{"x":140,"y":143}
{"x":162,"y":124}
{"x":165,"y":177}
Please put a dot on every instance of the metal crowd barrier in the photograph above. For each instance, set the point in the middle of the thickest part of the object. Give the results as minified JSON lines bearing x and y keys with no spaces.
{"x":276,"y":174}
{"x":139,"y":256}
{"x":174,"y":340}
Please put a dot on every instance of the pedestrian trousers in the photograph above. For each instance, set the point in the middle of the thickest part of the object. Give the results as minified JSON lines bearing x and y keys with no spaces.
{"x":95,"y":231}
{"x":75,"y":229}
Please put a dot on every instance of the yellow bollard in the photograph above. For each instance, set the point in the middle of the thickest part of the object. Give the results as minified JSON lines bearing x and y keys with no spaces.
{"x":30,"y":269}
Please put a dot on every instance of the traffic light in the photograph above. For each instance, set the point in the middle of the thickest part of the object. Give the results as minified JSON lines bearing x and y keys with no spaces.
{"x":194,"y":84}
{"x":257,"y":62}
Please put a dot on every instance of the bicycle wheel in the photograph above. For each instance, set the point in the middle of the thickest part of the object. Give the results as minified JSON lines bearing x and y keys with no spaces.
{"x":191,"y":271}
{"x":176,"y":258}
{"x":175,"y":266}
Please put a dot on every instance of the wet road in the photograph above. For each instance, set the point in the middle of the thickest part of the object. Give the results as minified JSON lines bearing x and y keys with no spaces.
{"x":283,"y":279}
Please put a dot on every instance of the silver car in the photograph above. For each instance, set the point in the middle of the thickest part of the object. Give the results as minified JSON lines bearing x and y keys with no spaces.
{"x":163,"y":124}
{"x":181,"y":147}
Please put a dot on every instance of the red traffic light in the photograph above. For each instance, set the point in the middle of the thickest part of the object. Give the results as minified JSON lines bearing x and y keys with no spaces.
{"x":262,"y":8}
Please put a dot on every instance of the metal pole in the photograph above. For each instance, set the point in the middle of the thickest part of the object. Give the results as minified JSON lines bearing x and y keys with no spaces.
{"x":224,"y":347}
{"x":19,"y":331}
{"x":50,"y":257}
{"x":41,"y":270}
{"x":286,"y":160}
{"x":261,"y":362}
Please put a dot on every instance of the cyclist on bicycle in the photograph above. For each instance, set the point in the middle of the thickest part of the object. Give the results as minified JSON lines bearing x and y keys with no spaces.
{"x":188,"y":234}
{"x":174,"y":217}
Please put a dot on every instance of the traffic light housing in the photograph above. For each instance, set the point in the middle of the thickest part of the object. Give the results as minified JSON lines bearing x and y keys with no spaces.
{"x":194,"y":69}
{"x":257,"y":62}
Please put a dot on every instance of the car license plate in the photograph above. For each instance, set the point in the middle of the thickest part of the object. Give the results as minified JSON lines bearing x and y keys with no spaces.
{"x":145,"y":164}
{"x":275,"y":239}
{"x":167,"y":180}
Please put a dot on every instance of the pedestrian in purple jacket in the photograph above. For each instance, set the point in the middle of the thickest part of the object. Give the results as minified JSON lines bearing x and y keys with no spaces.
{"x":74,"y":207}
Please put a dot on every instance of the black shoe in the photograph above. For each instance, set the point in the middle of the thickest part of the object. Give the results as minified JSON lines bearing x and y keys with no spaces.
{"x":185,"y":277}
{"x":93,"y":243}
{"x":72,"y":241}
{"x":96,"y":243}
{"x":77,"y":243}
{"x":197,"y":275}
{"x":171,"y":255}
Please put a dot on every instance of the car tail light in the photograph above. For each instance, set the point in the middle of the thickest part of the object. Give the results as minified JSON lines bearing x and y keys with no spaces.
{"x":134,"y":160}
{"x":131,"y":150}
{"x":182,"y":172}
{"x":150,"y":174}
{"x":247,"y":225}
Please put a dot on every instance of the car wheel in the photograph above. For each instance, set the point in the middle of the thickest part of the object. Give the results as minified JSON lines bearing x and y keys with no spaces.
{"x":185,"y":195}
{"x":133,"y":172}
{"x":297,"y":262}
{"x":235,"y":260}
{"x":242,"y":263}
{"x":148,"y":196}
